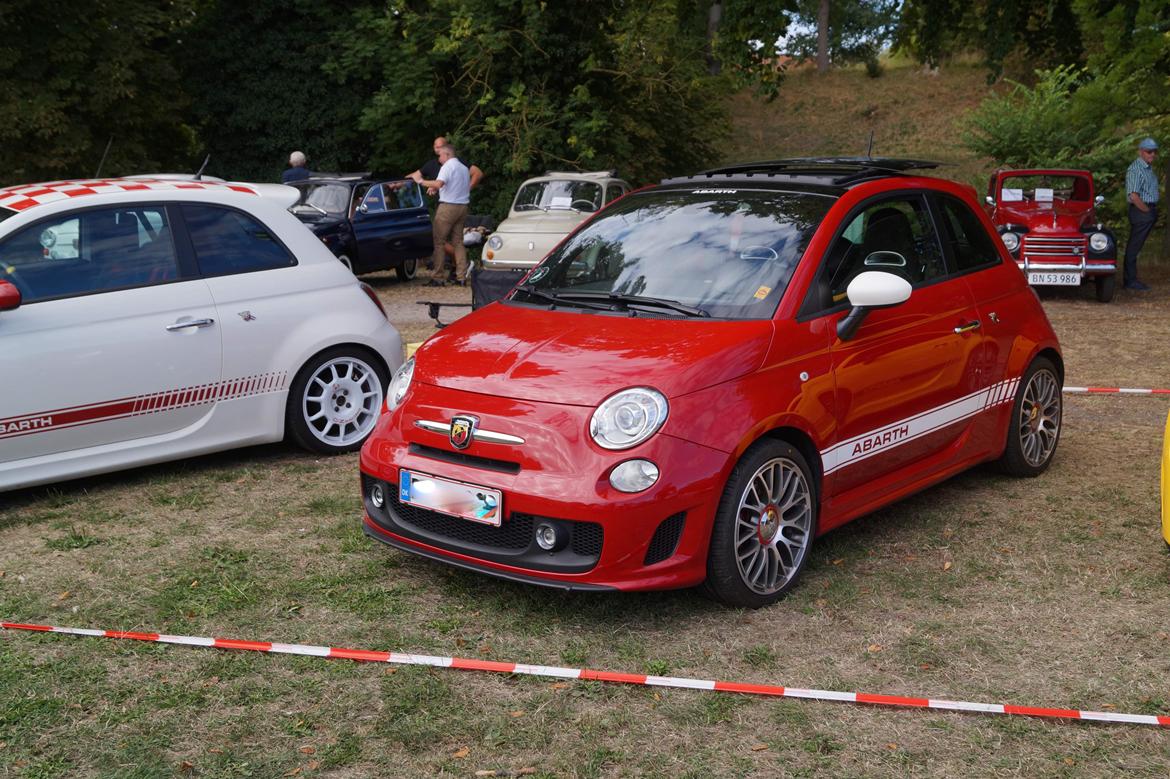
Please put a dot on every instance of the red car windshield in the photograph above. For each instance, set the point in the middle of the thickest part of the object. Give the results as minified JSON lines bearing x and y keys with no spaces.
{"x":727,"y":254}
{"x":1043,"y":188}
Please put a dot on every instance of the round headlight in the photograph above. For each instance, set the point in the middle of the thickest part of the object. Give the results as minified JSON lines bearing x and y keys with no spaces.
{"x":495,"y":242}
{"x":628,"y":418}
{"x":634,"y":476}
{"x":1011,"y":241}
{"x":400,"y":385}
{"x":1098,"y":242}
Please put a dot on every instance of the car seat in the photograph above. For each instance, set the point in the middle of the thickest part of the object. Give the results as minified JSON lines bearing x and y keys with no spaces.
{"x":889,"y":230}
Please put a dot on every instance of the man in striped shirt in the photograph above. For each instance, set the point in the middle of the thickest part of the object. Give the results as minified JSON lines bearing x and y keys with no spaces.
{"x":1141,"y":189}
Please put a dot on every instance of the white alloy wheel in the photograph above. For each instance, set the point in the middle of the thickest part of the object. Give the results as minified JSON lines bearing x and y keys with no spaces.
{"x":340,"y":402}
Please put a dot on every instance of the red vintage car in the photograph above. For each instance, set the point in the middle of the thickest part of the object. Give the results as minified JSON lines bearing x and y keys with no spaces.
{"x":710,"y":373}
{"x":1048,"y":221}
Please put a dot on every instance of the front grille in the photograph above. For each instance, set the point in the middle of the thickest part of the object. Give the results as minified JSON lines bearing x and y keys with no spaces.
{"x":514,"y":533}
{"x":665,"y":539}
{"x":1051,"y":246}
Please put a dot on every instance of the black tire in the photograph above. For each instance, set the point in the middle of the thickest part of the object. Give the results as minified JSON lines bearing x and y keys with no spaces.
{"x":406,"y":270}
{"x":1106,"y":286}
{"x":347,"y":262}
{"x":346,"y":395}
{"x":760,"y":542}
{"x":1034,"y":429}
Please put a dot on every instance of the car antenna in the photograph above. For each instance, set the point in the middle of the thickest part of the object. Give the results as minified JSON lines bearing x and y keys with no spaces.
{"x":199,"y":173}
{"x":103,"y":160}
{"x":869,"y":151}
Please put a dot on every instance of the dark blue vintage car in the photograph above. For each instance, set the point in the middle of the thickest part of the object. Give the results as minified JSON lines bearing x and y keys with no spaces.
{"x":369,"y":224}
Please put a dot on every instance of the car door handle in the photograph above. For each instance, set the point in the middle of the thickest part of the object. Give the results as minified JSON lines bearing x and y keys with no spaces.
{"x":190,"y":323}
{"x":967,"y":328}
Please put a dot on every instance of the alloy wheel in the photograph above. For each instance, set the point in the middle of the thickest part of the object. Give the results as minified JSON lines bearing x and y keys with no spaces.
{"x":773,"y":523}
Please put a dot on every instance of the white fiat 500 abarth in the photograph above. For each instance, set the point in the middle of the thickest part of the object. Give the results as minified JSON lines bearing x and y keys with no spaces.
{"x":143,"y":320}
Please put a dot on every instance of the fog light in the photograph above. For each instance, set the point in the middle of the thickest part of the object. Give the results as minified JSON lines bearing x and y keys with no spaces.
{"x":377,"y":496}
{"x":546,"y":536}
{"x":634,"y":476}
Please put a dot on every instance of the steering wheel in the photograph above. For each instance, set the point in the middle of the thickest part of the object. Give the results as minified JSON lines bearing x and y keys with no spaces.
{"x":588,"y":205}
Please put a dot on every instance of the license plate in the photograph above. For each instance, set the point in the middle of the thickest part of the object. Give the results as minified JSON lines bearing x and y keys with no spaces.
{"x":1056,"y":279}
{"x":467,"y":501}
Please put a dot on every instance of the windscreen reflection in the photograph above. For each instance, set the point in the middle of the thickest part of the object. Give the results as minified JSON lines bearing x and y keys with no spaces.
{"x":730,"y":255}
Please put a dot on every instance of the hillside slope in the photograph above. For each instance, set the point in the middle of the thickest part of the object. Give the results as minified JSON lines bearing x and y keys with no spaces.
{"x":912,"y":114}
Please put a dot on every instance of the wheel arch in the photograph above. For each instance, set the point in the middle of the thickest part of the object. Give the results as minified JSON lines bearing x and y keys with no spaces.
{"x":803,"y":443}
{"x":1053,"y":355}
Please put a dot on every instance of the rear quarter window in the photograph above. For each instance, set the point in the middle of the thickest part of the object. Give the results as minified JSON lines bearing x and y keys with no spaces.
{"x":227,"y":241}
{"x":967,"y":239}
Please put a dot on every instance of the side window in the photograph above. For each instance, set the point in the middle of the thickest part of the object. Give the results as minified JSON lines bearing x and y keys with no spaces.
{"x":892,"y":235}
{"x":375,"y":200}
{"x":403,"y":194}
{"x":966,"y":237}
{"x":613,"y":192}
{"x":228,"y":241}
{"x":100,"y":250}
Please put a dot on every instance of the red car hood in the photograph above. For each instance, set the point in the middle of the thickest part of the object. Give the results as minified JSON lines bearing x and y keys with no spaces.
{"x":1039,"y":218}
{"x":580,"y":358}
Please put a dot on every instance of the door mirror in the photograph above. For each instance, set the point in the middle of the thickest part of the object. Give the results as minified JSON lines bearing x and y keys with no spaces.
{"x":9,"y":296}
{"x":869,"y":290}
{"x":363,"y":208}
{"x":989,"y":200}
{"x":1099,"y":200}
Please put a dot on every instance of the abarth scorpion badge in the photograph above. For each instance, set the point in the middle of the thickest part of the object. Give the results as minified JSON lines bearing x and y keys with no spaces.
{"x":462,"y":431}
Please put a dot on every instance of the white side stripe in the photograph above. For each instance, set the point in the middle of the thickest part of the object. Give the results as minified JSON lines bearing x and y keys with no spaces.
{"x":884,"y":439}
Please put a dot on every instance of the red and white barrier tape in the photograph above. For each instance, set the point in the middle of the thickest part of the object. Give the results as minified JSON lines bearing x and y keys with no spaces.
{"x":1115,"y":391}
{"x":466,"y":664}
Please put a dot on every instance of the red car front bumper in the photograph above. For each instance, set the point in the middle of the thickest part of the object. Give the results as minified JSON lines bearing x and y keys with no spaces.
{"x":656,"y":539}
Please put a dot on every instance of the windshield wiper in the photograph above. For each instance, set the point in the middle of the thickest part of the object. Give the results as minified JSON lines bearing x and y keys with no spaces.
{"x":313,"y":206}
{"x":558,"y":300}
{"x":638,"y":300}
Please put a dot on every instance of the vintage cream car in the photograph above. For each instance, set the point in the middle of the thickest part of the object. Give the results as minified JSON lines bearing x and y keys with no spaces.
{"x":545,"y":210}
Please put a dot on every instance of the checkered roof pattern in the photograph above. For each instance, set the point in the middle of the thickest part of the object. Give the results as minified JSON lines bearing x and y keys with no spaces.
{"x":26,"y":196}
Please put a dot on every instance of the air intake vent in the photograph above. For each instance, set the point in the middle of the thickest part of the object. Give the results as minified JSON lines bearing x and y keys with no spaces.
{"x":665,"y":539}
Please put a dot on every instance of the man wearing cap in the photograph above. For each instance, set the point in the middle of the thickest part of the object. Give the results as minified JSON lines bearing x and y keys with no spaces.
{"x":1141,"y":189}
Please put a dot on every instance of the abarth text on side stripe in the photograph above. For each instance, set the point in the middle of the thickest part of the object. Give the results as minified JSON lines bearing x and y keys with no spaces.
{"x":712,"y":372}
{"x":144,"y":320}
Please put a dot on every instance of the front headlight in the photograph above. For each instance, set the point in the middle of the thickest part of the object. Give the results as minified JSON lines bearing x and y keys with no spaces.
{"x":1011,"y":241}
{"x":628,"y":418}
{"x":1099,"y":242}
{"x":495,"y":242}
{"x":400,"y":385}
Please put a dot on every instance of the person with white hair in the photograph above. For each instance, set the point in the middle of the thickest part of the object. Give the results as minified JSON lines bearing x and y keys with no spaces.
{"x":296,"y":170}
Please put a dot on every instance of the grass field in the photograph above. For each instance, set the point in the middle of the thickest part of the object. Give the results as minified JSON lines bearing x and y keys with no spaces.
{"x":1049,"y":592}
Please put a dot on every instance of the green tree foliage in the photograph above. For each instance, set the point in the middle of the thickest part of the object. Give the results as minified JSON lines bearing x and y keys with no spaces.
{"x":1047,"y":126}
{"x":255,"y":74}
{"x":1044,"y":32}
{"x":858,"y":30}
{"x":1088,"y":117}
{"x":521,"y":86}
{"x":75,"y":74}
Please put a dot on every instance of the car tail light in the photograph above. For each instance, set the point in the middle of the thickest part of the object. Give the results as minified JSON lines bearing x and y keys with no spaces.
{"x":372,"y":295}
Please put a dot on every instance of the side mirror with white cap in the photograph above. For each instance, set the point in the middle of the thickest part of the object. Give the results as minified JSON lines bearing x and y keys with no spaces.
{"x":869,"y":290}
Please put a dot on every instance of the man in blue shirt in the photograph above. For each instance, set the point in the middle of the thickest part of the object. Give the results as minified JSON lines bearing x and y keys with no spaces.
{"x":1141,"y":190}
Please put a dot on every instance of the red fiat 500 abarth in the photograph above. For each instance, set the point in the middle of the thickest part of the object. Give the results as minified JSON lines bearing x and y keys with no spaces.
{"x":712,"y":372}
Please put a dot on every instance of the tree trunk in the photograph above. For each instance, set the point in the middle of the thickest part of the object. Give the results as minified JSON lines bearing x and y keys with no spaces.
{"x":823,"y":37}
{"x":713,"y":17}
